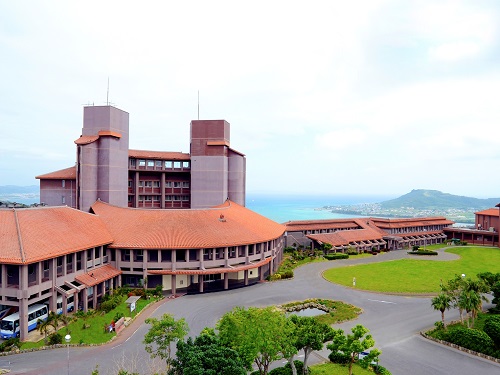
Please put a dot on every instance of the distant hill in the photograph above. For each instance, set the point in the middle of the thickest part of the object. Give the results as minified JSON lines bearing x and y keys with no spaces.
{"x":434,"y":199}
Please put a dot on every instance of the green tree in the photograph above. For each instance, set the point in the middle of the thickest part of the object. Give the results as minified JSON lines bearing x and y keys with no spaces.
{"x":355,"y":344}
{"x":162,"y":333}
{"x":205,"y":355}
{"x":309,"y":335}
{"x":442,"y":302}
{"x":470,"y":301}
{"x":260,"y":335}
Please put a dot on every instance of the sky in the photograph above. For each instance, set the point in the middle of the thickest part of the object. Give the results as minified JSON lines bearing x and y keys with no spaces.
{"x":323,"y":97}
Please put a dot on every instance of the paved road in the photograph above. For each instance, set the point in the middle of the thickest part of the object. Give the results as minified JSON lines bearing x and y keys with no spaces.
{"x":393,"y":320}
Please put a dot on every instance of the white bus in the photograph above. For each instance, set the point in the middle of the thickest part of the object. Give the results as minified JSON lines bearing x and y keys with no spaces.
{"x":9,"y":326}
{"x":70,"y":305}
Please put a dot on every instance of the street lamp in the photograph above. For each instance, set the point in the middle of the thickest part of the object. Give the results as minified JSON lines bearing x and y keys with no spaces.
{"x":68,"y":339}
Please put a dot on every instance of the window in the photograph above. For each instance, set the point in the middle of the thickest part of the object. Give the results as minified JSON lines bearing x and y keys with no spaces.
{"x":63,"y":183}
{"x":141,"y":183}
{"x":168,"y":184}
{"x":156,"y":198}
{"x":185,"y":164}
{"x":63,"y":199}
{"x":139,"y":255}
{"x":156,"y":184}
{"x":149,"y":198}
{"x":177,"y":197}
{"x":185,"y":198}
{"x":177,"y":184}
{"x":158,"y":163}
{"x":168,"y":198}
{"x":132,"y":162}
{"x":142,"y":163}
{"x":151,"y":163}
{"x":148,"y":183}
{"x":185,"y":184}
{"x":141,"y":198}
{"x":177,"y":164}
{"x":168,"y":164}
{"x":129,"y":183}
{"x":130,"y":198}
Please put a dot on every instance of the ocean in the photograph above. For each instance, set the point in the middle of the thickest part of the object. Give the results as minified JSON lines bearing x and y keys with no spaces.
{"x":283,"y":208}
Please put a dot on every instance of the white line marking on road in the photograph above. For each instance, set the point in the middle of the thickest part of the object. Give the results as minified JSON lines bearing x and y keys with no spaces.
{"x":376,"y":300}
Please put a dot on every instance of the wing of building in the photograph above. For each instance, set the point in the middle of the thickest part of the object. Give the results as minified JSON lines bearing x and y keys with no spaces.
{"x":51,"y":254}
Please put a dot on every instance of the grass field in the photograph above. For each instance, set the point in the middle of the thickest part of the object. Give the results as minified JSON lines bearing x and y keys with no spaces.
{"x":335,"y":369}
{"x":95,"y":334}
{"x":417,"y":275}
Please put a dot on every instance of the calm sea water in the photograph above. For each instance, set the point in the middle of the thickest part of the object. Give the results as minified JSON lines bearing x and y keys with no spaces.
{"x":282,"y":208}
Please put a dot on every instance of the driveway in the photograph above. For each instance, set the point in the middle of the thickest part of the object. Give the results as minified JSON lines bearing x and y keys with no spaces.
{"x":394,"y":321}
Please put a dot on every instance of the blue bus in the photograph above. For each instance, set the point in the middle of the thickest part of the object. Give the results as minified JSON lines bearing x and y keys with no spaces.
{"x":9,"y":326}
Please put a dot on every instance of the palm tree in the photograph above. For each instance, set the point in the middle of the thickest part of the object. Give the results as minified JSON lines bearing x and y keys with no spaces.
{"x":442,"y":302}
{"x":470,"y":301}
{"x":43,"y":326}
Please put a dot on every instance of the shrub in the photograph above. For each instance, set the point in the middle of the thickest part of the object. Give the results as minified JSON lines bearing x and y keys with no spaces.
{"x":472,"y":339}
{"x":381,"y":370}
{"x":118,"y":316}
{"x":423,"y":252}
{"x":492,"y":328}
{"x":9,"y":344}
{"x":336,"y":256}
{"x":275,"y":277}
{"x":288,"y":274}
{"x":55,"y":338}
{"x":339,"y":357}
{"x":415,"y":247}
{"x":289,"y":249}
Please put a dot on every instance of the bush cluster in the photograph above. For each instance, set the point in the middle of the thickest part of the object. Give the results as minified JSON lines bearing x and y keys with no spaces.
{"x":285,"y":370}
{"x":492,"y":328}
{"x":10,"y":344}
{"x":55,"y":338}
{"x":472,"y":339}
{"x":381,"y":370}
{"x":336,"y":256}
{"x":339,"y":358}
{"x":111,"y":302}
{"x":423,"y":252}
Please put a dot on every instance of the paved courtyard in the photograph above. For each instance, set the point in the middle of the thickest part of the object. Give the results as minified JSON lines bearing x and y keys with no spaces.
{"x":394,"y":321}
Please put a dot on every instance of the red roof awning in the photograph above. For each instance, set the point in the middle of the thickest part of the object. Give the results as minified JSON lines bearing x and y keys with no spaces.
{"x":98,"y":275}
{"x":211,"y":271}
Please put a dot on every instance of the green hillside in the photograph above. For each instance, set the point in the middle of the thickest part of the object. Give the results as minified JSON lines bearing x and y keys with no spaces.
{"x":434,"y":199}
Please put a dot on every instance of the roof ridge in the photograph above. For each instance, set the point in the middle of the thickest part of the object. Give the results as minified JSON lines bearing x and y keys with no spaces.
{"x":19,"y":237}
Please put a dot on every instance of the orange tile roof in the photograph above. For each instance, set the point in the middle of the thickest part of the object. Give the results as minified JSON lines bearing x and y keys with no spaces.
{"x":410,"y":222}
{"x":300,"y":225}
{"x":98,"y":275}
{"x":489,"y":212}
{"x":164,"y":155}
{"x":345,"y":237}
{"x":63,"y":174}
{"x":86,"y":139}
{"x":211,"y":271}
{"x":30,"y":235}
{"x":110,"y":133}
{"x":226,"y":225}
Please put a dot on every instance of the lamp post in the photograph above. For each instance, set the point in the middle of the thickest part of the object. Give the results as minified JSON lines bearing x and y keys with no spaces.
{"x":68,"y":339}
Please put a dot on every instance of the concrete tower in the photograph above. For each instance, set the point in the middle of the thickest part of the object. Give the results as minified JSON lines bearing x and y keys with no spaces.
{"x":217,"y":171}
{"x":102,"y":157}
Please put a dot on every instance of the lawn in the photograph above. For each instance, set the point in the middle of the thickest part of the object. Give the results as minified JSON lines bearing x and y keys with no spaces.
{"x":417,"y":275}
{"x":95,"y":334}
{"x":336,"y":369}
